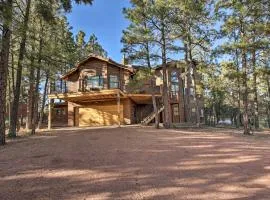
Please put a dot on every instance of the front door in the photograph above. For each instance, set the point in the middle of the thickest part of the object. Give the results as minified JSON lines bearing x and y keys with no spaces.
{"x":175,"y":113}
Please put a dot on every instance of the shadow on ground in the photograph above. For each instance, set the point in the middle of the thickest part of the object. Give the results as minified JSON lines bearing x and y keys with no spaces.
{"x":136,"y":163}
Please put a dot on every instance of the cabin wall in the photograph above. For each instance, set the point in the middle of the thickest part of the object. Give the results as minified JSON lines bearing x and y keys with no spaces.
{"x":72,"y":83}
{"x":177,"y":102}
{"x":129,"y":110}
{"x":112,"y":70}
{"x":100,"y":68}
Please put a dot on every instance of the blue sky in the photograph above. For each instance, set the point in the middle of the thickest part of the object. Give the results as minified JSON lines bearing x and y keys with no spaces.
{"x":105,"y":19}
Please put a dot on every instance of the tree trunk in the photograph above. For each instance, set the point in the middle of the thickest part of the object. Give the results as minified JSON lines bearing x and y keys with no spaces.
{"x":238,"y":115}
{"x":5,"y":46}
{"x":43,"y":101}
{"x":166,"y":101}
{"x":214,"y":116}
{"x":196,"y":97}
{"x":9,"y":97}
{"x":36,"y":102}
{"x":36,"y":93}
{"x":256,"y":105}
{"x":30,"y":104}
{"x":187,"y":88}
{"x":245,"y":96}
{"x":16,"y":100}
{"x":181,"y":104}
{"x":194,"y":70}
{"x":268,"y":103}
{"x":155,"y":110}
{"x":152,"y":85}
{"x":245,"y":84}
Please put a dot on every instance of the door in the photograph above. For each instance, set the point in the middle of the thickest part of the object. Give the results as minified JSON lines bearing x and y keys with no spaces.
{"x":175,"y":113}
{"x":100,"y":115}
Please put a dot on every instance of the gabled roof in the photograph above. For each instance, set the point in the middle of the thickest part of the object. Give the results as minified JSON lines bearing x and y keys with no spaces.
{"x":107,"y":60}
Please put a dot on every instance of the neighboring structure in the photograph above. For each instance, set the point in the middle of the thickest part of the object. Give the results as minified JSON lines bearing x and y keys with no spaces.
{"x":96,"y":94}
{"x":181,"y":101}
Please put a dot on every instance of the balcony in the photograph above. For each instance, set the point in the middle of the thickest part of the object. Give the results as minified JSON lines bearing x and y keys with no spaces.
{"x":82,"y":85}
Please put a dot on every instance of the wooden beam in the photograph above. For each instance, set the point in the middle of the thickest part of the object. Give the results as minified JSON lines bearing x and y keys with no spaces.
{"x":85,"y":94}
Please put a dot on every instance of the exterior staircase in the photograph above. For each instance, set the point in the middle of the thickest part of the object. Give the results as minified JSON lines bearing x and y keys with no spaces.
{"x":151,"y":116}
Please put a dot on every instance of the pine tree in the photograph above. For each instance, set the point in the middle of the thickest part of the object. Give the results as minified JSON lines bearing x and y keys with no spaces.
{"x":240,"y":20}
{"x":44,"y":9}
{"x":138,"y":42}
{"x":80,"y":45}
{"x":4,"y":57}
{"x":93,"y":47}
{"x":192,"y":21}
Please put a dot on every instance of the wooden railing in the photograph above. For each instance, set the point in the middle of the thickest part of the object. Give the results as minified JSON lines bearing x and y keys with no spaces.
{"x":150,"y":117}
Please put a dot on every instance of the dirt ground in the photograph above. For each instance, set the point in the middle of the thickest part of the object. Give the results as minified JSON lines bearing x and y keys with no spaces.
{"x":136,"y":163}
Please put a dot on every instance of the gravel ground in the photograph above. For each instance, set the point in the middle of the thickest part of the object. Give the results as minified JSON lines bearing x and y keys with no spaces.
{"x":136,"y":163}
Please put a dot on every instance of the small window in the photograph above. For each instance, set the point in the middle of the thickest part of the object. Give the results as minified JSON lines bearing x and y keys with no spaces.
{"x":174,"y":77}
{"x":114,"y":81}
{"x":174,"y":83}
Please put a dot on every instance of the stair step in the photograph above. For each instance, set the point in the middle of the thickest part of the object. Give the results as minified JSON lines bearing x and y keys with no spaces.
{"x":150,"y":117}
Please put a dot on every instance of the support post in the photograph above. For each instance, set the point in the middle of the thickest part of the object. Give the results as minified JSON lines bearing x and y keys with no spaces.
{"x":118,"y":108}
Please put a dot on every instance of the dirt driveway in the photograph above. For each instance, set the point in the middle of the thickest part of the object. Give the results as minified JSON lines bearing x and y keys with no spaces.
{"x":135,"y":163}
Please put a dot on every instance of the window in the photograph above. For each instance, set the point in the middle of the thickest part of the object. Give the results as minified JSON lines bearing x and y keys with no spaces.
{"x":175,"y":89}
{"x":95,"y":82}
{"x":174,"y":83}
{"x":174,"y":77}
{"x":114,"y":81}
{"x":175,"y":110}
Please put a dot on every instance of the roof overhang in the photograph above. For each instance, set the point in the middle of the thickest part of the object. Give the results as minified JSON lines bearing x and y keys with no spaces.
{"x":103,"y":95}
{"x":107,"y":60}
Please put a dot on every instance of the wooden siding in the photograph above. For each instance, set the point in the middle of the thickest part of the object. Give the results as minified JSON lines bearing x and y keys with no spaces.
{"x":99,"y":68}
{"x":128,"y":111}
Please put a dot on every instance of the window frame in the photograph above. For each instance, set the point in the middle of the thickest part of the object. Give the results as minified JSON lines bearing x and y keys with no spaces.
{"x":95,"y":81}
{"x":117,"y":82}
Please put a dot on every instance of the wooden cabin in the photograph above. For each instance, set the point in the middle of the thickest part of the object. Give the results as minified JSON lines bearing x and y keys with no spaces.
{"x":97,"y":94}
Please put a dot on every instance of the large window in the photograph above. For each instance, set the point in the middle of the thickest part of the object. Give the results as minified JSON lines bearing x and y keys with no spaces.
{"x":114,"y":81}
{"x":95,"y":82}
{"x":174,"y":83}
